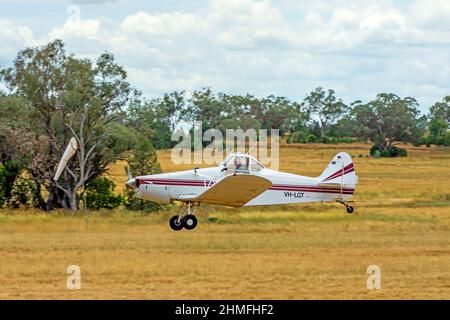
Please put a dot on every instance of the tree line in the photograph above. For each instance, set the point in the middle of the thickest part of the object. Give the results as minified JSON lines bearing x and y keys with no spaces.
{"x":51,"y":96}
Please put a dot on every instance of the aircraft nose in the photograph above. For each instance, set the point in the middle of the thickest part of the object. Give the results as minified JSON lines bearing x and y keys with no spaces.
{"x":131,"y":183}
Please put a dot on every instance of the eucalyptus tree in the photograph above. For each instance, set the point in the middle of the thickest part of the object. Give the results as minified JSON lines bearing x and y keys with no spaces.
{"x":66,"y":97}
{"x":387,"y":120}
{"x":323,"y":108}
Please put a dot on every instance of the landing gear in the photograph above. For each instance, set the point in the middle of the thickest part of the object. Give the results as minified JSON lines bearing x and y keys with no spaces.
{"x":189,"y":222}
{"x":186,"y":218}
{"x":175,"y":223}
{"x":349,"y":209}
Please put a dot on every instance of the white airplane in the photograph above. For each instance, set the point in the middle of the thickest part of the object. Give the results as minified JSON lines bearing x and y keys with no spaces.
{"x":242,"y":181}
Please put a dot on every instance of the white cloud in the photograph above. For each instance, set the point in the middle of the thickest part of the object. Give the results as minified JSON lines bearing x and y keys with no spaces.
{"x":76,"y":27}
{"x":13,"y":38}
{"x":430,"y":13}
{"x":162,"y":24}
{"x":285,"y":47}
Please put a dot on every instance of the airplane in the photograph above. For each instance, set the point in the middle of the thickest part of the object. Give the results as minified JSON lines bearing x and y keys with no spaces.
{"x":241,"y":180}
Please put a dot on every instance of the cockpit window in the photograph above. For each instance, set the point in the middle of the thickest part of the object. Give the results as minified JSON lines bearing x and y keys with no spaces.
{"x":242,"y":164}
{"x":256,"y":166}
{"x":238,"y":164}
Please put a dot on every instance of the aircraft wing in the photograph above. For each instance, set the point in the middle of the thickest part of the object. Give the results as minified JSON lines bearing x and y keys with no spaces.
{"x":232,"y":190}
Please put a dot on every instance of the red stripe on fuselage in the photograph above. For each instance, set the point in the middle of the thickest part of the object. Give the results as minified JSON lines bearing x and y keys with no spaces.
{"x":312,"y":190}
{"x":279,"y":187}
{"x":287,"y":186}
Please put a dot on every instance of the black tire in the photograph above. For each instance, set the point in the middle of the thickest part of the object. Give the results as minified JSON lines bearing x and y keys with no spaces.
{"x":189,"y":222}
{"x":350,"y":209}
{"x":177,"y":226}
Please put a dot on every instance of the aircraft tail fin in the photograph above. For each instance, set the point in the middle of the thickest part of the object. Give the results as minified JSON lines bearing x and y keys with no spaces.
{"x":340,"y":171}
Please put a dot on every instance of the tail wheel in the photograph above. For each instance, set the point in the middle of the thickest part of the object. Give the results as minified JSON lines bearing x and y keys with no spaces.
{"x":189,"y":222}
{"x":175,"y":224}
{"x":350,"y":209}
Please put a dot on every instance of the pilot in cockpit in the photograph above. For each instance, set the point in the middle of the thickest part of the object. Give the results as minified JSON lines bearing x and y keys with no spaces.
{"x":238,"y":165}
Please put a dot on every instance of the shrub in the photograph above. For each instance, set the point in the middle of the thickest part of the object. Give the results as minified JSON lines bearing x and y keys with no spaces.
{"x":336,"y":140}
{"x":100,"y":194}
{"x":384,"y":154}
{"x":2,"y":185}
{"x":21,"y":193}
{"x":297,"y":137}
{"x":311,"y":138}
{"x":397,"y":152}
{"x":302,"y":136}
{"x":131,"y":202}
{"x":443,"y":139}
{"x":394,"y":151}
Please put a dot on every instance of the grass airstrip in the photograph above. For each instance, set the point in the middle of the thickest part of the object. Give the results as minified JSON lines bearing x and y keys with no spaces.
{"x":312,"y":251}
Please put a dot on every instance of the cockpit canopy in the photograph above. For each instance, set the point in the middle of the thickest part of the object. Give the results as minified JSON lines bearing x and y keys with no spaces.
{"x":242,"y":163}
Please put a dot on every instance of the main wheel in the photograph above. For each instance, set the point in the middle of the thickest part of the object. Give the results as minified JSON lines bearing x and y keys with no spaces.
{"x":189,"y":222}
{"x":349,"y":209}
{"x":175,"y":224}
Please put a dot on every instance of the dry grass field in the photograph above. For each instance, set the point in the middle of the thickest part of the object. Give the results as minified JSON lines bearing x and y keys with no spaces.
{"x":314,"y":251}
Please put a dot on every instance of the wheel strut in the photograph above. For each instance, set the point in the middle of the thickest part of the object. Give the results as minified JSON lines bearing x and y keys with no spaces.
{"x":349,"y":208}
{"x":185,"y":218}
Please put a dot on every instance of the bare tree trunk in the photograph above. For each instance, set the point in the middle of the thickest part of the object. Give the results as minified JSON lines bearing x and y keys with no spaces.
{"x":322,"y":128}
{"x":387,"y":144}
{"x":57,"y":199}
{"x":73,"y":200}
{"x":52,"y":198}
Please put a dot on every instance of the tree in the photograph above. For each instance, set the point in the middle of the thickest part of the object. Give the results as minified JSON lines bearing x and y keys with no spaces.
{"x":14,"y":116}
{"x":18,"y":144}
{"x":439,"y":122}
{"x":66,"y":96}
{"x":243,"y":122}
{"x":206,"y":107}
{"x":271,"y":112}
{"x":156,"y":119}
{"x":100,"y":194}
{"x":2,"y":186}
{"x":240,"y":113}
{"x":278,"y":113}
{"x":324,"y":107}
{"x":387,"y":120}
{"x":142,"y":160}
{"x":170,"y":109}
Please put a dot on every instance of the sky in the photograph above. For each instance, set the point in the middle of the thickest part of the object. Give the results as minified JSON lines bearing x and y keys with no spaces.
{"x":281,"y":47}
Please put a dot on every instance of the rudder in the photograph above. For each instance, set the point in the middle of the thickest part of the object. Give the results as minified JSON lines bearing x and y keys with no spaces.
{"x":340,"y":170}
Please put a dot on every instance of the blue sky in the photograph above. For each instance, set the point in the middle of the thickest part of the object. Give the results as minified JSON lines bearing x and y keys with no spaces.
{"x":281,"y":47}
